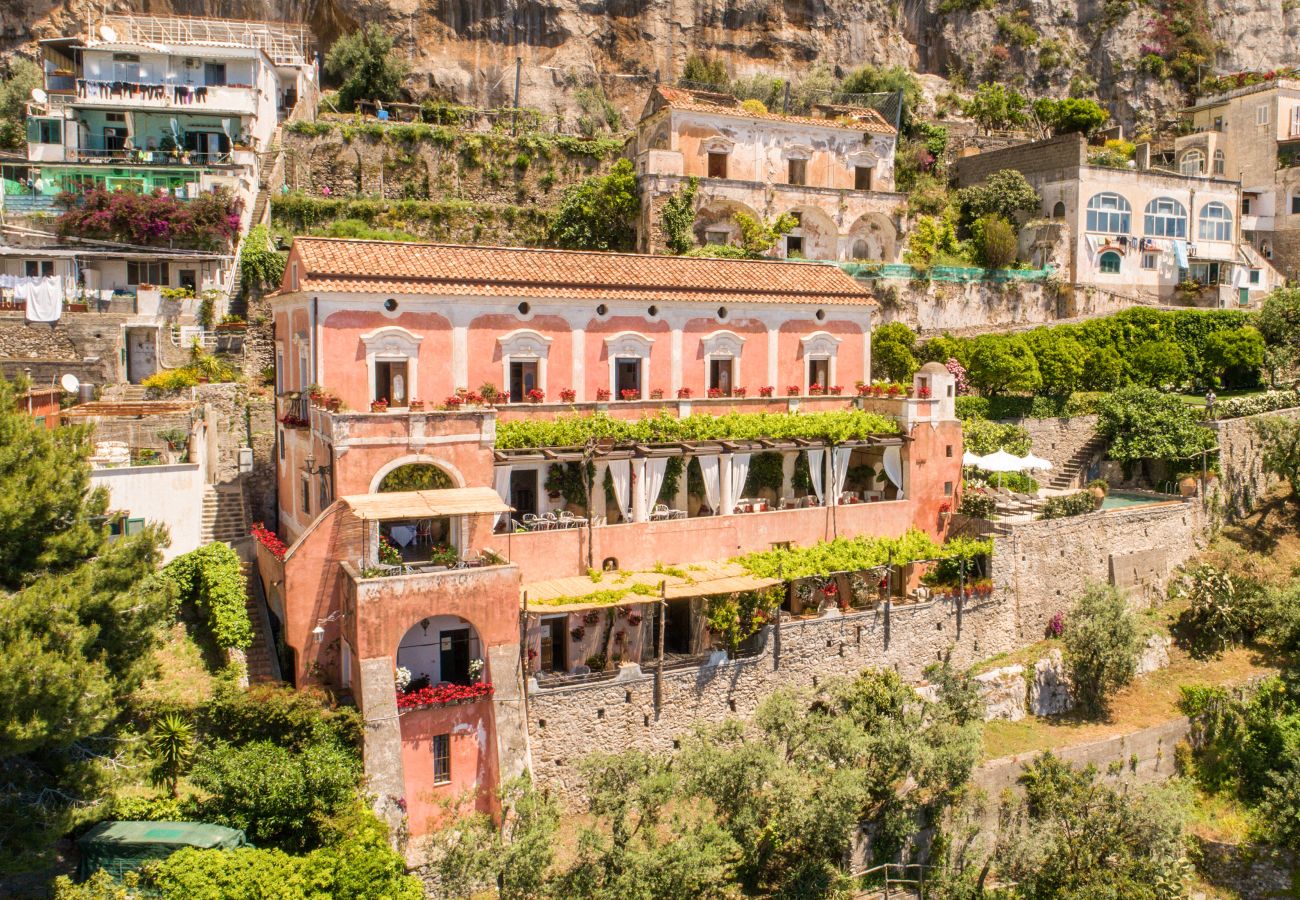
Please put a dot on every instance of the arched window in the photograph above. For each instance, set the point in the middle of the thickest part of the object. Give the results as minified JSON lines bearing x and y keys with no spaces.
{"x":1109,"y":214}
{"x":1192,"y":163}
{"x":1166,"y":217}
{"x":415,"y":477}
{"x":1058,"y":211}
{"x":1216,"y":223}
{"x":1110,"y":262}
{"x":1218,"y":162}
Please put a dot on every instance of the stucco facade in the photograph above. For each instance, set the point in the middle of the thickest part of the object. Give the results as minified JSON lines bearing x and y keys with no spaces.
{"x":834,"y":171}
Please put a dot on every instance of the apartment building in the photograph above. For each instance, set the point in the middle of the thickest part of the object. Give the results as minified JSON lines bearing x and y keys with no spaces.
{"x":833,"y":170}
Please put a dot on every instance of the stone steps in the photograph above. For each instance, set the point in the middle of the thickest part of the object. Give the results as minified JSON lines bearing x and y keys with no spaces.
{"x":224,"y":517}
{"x":259,"y":657}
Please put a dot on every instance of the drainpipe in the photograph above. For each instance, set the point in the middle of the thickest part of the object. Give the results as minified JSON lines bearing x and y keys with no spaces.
{"x":313,"y":319}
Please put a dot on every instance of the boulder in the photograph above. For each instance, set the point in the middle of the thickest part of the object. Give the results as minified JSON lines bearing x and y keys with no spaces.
{"x":1155,"y":654}
{"x":1003,"y":692}
{"x":1049,"y":694}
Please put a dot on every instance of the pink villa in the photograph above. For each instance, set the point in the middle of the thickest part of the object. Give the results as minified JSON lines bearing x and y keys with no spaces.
{"x":448,"y":558}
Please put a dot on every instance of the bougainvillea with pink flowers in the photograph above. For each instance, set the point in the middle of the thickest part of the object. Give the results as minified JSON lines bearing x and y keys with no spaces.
{"x":208,"y":222}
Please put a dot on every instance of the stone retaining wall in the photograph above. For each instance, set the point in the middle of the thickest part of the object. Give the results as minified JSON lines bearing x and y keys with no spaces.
{"x":1243,"y":479}
{"x":1057,"y":439}
{"x":566,"y":724}
{"x":86,"y":344}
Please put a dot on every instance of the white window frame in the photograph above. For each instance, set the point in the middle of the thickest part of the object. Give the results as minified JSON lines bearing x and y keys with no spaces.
{"x":720,"y":345}
{"x":1165,"y":217}
{"x":1221,"y":224}
{"x":1220,"y":162}
{"x":628,"y":345}
{"x":393,"y":343}
{"x":1150,"y":261}
{"x":1195,"y":155}
{"x":524,"y":345}
{"x":279,"y":370}
{"x":1261,"y":114}
{"x":1122,"y":210}
{"x":1100,"y":256}
{"x":820,"y":345}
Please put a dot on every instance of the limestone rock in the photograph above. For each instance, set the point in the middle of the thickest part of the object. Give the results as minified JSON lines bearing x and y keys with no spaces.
{"x":1003,"y":692}
{"x":1155,"y":654}
{"x":1049,"y":694}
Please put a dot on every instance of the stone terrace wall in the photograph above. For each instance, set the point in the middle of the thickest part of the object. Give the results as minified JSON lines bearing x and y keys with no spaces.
{"x":1045,"y":564}
{"x":1244,"y":480}
{"x":86,"y":344}
{"x":566,"y":724}
{"x":1057,"y":439}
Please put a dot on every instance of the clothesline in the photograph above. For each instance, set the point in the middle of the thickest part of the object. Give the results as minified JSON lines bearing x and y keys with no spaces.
{"x":42,"y":295}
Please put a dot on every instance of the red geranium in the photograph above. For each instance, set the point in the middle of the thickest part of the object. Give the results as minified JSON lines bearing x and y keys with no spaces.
{"x":269,"y":540}
{"x":442,"y":694}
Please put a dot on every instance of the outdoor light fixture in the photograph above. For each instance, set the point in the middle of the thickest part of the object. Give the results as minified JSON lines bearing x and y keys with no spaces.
{"x":312,"y":469}
{"x":318,"y":633}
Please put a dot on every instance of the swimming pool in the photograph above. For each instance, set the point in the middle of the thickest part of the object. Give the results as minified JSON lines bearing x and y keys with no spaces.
{"x":1122,"y":499}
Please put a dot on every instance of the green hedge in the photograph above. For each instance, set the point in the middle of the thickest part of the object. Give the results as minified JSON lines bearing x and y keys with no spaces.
{"x":1237,"y":407}
{"x":211,"y":577}
{"x":574,"y":431}
{"x":1080,"y":403}
{"x":983,"y":437}
{"x":855,"y":554}
{"x":1069,"y":505}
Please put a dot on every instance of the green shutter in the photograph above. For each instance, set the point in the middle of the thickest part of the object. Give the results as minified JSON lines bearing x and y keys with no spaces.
{"x":134,"y":526}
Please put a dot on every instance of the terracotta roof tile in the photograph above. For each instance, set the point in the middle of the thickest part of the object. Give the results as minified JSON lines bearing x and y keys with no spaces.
{"x":331,"y":264}
{"x":867,"y":119}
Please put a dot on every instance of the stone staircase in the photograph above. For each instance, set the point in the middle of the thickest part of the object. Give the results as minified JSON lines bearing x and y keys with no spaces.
{"x":224,"y":515}
{"x":124,"y":393}
{"x":263,"y":667}
{"x":1071,"y":473}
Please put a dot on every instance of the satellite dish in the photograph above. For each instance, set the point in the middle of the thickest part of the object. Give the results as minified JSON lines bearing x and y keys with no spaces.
{"x":70,"y":383}
{"x":39,"y":96}
{"x":107,"y":33}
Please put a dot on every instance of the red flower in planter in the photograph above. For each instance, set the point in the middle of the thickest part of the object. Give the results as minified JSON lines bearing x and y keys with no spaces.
{"x":924,"y":392}
{"x":630,"y":394}
{"x":657,"y":394}
{"x":270,"y":540}
{"x":836,"y":390}
{"x":766,"y":391}
{"x":714,"y":393}
{"x":683,"y":393}
{"x":863,"y":389}
{"x":816,"y":390}
{"x":442,"y":694}
{"x":454,"y":401}
{"x":894,"y":390}
{"x":792,"y":390}
{"x":536,"y":395}
{"x":568,"y":395}
{"x":739,"y":392}
{"x":602,"y":394}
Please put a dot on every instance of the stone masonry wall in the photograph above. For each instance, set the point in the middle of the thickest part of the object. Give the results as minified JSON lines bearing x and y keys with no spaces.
{"x":1243,"y":478}
{"x":568,"y":723}
{"x":1058,"y":439}
{"x":1041,"y":156}
{"x":87,"y":344}
{"x":1046,"y":564}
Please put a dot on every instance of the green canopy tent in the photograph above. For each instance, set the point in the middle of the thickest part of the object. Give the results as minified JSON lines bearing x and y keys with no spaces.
{"x":119,"y":847}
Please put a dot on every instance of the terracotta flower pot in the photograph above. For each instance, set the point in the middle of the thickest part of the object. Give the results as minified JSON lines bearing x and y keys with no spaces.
{"x":1187,"y":487}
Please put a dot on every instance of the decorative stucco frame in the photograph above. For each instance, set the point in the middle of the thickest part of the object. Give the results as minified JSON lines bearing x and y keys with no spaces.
{"x":393,"y":343}
{"x":629,"y":345}
{"x":720,"y":345}
{"x":820,"y":345}
{"x":524,"y":345}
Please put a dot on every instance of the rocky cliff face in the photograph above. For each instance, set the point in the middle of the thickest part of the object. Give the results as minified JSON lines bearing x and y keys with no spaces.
{"x":466,"y":49}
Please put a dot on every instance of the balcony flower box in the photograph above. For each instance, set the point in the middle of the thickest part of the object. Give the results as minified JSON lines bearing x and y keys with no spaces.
{"x":816,"y":390}
{"x":444,"y":695}
{"x":837,"y":390}
{"x":379,"y":406}
{"x":536,"y":395}
{"x":268,"y":539}
{"x":714,"y":393}
{"x":568,"y":395}
{"x":924,"y":393}
{"x":657,"y":394}
{"x":602,"y":395}
{"x":766,"y":391}
{"x":289,"y":420}
{"x":630,"y":394}
{"x":683,"y":393}
{"x":416,"y":406}
{"x":453,"y":402}
{"x":792,"y":390}
{"x":739,"y":392}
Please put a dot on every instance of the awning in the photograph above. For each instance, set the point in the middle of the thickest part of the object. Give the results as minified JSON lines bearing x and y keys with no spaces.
{"x":428,"y":504}
{"x":580,"y":592}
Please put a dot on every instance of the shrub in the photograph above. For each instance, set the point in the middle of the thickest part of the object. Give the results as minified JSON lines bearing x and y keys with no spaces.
{"x":891,"y":351}
{"x":368,"y":68}
{"x":207,"y":222}
{"x":169,"y":381}
{"x":211,"y":578}
{"x":1068,"y":505}
{"x":600,"y":212}
{"x":1002,"y":363}
{"x":259,"y":265}
{"x":995,"y":241}
{"x":1142,"y":423}
{"x":1222,"y":611}
{"x":977,"y":505}
{"x":1101,"y":647}
{"x":678,"y":217}
{"x":1239,"y":407}
{"x":1158,"y":364}
{"x":983,"y":437}
{"x":1234,"y":357}
{"x":294,"y":719}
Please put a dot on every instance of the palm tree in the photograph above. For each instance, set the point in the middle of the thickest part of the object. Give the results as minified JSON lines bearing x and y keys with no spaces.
{"x":171,"y":744}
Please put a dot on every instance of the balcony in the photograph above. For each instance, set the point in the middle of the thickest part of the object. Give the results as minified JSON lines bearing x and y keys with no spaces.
{"x":152,"y":158}
{"x":236,"y":99}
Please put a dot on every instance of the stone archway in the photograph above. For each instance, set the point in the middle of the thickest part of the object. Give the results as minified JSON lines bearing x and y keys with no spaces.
{"x":817,"y":235}
{"x":873,"y":238}
{"x":715,"y":222}
{"x":443,"y":649}
{"x":413,"y":462}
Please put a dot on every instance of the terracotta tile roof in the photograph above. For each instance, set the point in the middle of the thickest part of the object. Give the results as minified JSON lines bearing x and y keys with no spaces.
{"x":865,"y":118}
{"x":384,"y":267}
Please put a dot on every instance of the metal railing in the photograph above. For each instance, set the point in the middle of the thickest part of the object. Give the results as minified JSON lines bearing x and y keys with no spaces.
{"x":286,"y":44}
{"x":152,"y":157}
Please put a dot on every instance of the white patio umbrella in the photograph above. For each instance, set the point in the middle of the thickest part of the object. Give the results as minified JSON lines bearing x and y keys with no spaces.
{"x":1000,"y":462}
{"x":970,"y":459}
{"x":1033,"y":462}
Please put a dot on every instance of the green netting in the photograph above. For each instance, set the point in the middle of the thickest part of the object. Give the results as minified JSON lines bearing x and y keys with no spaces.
{"x":119,"y":847}
{"x":869,"y":271}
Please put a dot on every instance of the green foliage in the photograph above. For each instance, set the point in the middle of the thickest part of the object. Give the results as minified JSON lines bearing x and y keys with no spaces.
{"x":260,"y":265}
{"x":1069,"y":115}
{"x":1158,"y":364}
{"x":892,"y":356}
{"x":1017,"y":30}
{"x":1237,"y":407}
{"x":415,"y":477}
{"x":708,"y":71}
{"x":758,"y":237}
{"x":1234,"y":357}
{"x":869,"y":79}
{"x":567,"y":480}
{"x":1280,"y":449}
{"x":211,"y":578}
{"x":995,"y":107}
{"x":983,"y":437}
{"x":1066,"y":505}
{"x":766,"y":470}
{"x":171,"y":744}
{"x":366,"y":66}
{"x":1060,"y":360}
{"x":46,"y":504}
{"x":294,"y":719}
{"x":170,"y":381}
{"x":1222,"y":611}
{"x":575,"y":430}
{"x":15,"y":90}
{"x":1102,"y":643}
{"x":1279,"y":317}
{"x":1142,"y":423}
{"x":1072,"y":835}
{"x":931,"y":237}
{"x":856,"y":554}
{"x":1002,"y":363}
{"x":279,"y":797}
{"x":1037,"y":407}
{"x":600,"y":212}
{"x":1104,"y":371}
{"x":994,"y":241}
{"x":678,"y":217}
{"x":1005,"y":194}
{"x":734,"y":618}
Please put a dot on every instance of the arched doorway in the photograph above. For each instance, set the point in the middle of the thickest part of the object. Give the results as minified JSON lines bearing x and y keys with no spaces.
{"x":415,"y":477}
{"x":715,"y":222}
{"x":441,"y":650}
{"x":873,"y":238}
{"x":815,"y":236}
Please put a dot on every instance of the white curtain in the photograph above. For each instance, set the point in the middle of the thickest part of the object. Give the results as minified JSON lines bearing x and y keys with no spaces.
{"x":501,"y":476}
{"x":654,"y":480}
{"x":839,"y":471}
{"x":894,"y":468}
{"x":712,"y":481}
{"x":620,"y":472}
{"x":739,"y":475}
{"x":816,"y":470}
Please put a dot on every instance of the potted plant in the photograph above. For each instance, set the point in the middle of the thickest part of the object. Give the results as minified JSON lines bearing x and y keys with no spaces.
{"x":766,"y":390}
{"x":630,"y":394}
{"x":454,"y":401}
{"x":924,"y":392}
{"x":837,"y":390}
{"x":684,"y":393}
{"x":816,"y":390}
{"x":232,"y":322}
{"x":536,"y":395}
{"x":739,"y":392}
{"x":792,"y":390}
{"x":416,"y":405}
{"x":714,"y":393}
{"x":602,"y":395}
{"x":568,"y":395}
{"x":379,"y":406}
{"x":333,"y":404}
{"x":893,"y":390}
{"x":177,"y":438}
{"x":657,"y":394}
